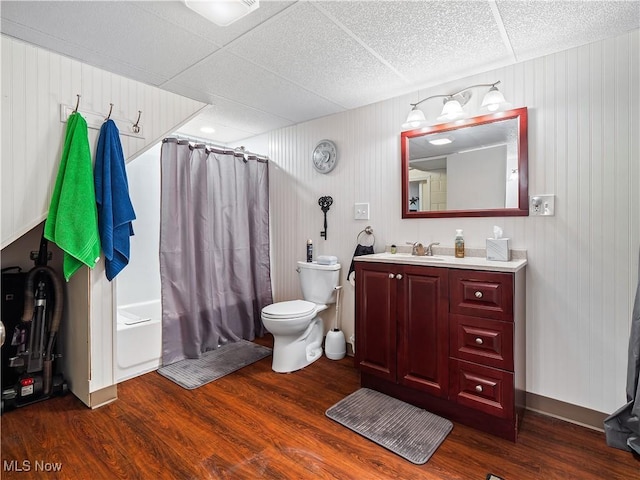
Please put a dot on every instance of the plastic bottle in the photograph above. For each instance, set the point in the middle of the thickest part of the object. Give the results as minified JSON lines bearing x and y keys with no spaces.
{"x":459,"y":244}
{"x":309,"y":250}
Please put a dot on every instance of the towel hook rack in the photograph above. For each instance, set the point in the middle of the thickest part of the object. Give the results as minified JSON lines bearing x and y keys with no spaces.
{"x":110,"y":110}
{"x":136,"y":127}
{"x":369,"y":231}
{"x":75,"y":110}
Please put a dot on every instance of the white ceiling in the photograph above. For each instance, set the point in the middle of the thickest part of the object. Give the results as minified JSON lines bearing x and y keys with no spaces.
{"x":293,"y":61}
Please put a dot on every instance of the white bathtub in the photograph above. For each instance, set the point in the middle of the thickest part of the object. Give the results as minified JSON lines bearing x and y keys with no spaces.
{"x":138,"y":339}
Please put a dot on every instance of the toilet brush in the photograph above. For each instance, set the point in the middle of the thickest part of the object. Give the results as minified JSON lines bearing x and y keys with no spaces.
{"x":335,"y":345}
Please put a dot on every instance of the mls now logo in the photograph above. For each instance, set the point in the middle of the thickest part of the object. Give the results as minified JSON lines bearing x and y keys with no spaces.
{"x":27,"y":466}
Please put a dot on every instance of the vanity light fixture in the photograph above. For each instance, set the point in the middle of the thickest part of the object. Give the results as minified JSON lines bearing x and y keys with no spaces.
{"x":493,"y":101}
{"x":223,"y":12}
{"x":415,"y":118}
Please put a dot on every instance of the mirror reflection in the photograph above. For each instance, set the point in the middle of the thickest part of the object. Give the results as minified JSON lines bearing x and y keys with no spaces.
{"x":475,"y":167}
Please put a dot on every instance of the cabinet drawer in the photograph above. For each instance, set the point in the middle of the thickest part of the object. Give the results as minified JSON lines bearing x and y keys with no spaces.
{"x":480,"y":340}
{"x":486,"y":389}
{"x":481,"y":294}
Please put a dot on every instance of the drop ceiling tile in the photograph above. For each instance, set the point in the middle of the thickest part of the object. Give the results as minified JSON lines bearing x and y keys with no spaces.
{"x":223,"y":134}
{"x":177,"y":13}
{"x":81,"y":54}
{"x":425,"y":41}
{"x":117,"y":37}
{"x":541,"y":28}
{"x":233,"y":122}
{"x":306,"y":59}
{"x":304,"y":46}
{"x":225,"y":75}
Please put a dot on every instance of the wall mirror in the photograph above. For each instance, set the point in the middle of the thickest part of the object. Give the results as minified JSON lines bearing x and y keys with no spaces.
{"x":476,"y":167}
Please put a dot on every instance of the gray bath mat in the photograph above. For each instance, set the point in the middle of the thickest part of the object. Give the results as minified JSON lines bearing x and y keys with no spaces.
{"x":408,"y":431}
{"x":193,"y":373}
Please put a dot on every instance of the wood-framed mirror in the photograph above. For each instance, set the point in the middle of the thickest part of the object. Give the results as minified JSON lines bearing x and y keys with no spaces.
{"x":475,"y":167}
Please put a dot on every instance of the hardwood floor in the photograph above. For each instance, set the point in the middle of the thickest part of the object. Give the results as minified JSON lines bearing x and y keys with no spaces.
{"x":256,"y":424}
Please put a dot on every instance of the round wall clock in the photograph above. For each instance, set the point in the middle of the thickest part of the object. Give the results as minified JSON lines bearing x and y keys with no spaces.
{"x":324,"y":156}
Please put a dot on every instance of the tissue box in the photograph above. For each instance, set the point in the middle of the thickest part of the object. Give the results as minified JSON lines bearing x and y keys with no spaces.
{"x":498,"y":249}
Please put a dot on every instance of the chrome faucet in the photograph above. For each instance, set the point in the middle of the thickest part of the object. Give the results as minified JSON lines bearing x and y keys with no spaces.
{"x":429,"y":249}
{"x":418,"y":249}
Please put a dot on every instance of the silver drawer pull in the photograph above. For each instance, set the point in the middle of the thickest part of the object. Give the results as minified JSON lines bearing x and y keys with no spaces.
{"x":391,"y":275}
{"x":399,"y":277}
{"x":479,"y":341}
{"x":478,"y":294}
{"x":479,"y":388}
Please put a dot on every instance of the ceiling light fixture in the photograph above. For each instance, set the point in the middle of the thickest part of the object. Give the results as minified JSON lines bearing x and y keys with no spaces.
{"x":207,"y":130}
{"x":223,"y":12}
{"x":441,"y":141}
{"x":493,"y":101}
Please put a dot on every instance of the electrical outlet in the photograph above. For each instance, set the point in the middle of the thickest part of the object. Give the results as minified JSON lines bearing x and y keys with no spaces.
{"x":361,"y":211}
{"x":543,"y":205}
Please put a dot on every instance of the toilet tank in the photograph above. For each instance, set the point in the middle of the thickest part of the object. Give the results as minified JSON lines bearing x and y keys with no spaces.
{"x":318,"y":282}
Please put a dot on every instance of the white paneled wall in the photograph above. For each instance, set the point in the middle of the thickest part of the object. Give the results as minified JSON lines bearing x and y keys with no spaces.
{"x":34,"y":84}
{"x":584,"y":118}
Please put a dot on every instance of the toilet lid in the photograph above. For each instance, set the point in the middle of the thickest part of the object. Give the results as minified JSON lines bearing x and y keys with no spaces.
{"x":290,"y":309}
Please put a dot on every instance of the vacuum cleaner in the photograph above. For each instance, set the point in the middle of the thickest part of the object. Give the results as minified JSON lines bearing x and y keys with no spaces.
{"x":28,"y":361}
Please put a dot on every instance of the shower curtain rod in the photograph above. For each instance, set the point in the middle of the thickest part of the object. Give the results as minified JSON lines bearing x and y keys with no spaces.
{"x":218,"y":148}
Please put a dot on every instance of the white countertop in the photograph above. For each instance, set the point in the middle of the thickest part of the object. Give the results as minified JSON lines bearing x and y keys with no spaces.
{"x":448,"y":261}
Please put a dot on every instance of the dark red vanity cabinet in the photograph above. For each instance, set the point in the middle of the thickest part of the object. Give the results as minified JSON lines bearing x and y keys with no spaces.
{"x":405,"y":336}
{"x":447,"y":340}
{"x":376,"y":339}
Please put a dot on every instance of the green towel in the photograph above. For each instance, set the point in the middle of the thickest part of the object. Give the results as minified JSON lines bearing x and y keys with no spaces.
{"x":72,"y":222}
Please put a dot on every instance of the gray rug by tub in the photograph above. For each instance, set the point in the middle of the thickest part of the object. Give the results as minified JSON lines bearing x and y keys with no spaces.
{"x":193,"y":373}
{"x":408,"y":431}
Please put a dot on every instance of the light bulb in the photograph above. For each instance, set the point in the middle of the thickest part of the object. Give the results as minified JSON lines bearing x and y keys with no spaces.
{"x":493,"y":99}
{"x":414,"y":119}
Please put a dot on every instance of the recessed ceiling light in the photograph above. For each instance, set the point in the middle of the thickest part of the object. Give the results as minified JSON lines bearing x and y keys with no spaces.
{"x":207,"y":130}
{"x":223,"y":12}
{"x":440,"y":141}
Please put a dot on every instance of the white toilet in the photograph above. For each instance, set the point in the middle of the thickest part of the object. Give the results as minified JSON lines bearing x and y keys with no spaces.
{"x":296,"y":328}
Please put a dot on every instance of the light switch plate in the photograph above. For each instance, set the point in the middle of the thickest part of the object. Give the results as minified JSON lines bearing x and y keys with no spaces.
{"x":543,"y":205}
{"x":361,"y":211}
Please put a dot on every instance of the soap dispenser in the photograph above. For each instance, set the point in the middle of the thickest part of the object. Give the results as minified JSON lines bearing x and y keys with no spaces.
{"x":459,"y":244}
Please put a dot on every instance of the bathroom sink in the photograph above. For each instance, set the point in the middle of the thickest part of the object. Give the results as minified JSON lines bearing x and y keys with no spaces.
{"x":407,"y":257}
{"x":428,"y":259}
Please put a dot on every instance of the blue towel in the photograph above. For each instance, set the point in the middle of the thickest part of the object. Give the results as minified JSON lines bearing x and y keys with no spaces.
{"x":115,"y":211}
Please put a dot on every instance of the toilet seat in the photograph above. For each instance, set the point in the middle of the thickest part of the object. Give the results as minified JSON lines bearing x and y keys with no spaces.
{"x":289,"y":309}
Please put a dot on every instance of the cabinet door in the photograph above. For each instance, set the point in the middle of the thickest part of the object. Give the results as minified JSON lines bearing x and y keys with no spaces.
{"x":423,"y":335}
{"x":376,"y":286}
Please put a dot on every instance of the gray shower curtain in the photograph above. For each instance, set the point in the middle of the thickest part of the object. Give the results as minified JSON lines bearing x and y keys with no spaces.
{"x":622,"y":427}
{"x":214,"y":248}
